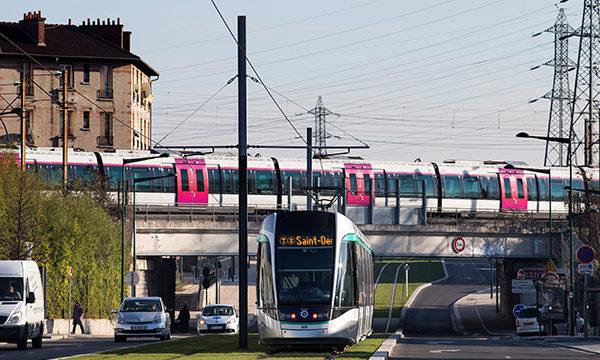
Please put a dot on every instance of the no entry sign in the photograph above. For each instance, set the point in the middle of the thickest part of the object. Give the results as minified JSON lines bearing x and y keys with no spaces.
{"x":585,"y":254}
{"x":458,"y":244}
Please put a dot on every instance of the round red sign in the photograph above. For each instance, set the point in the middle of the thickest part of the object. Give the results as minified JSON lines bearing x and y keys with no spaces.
{"x":458,"y":244}
{"x":585,"y":254}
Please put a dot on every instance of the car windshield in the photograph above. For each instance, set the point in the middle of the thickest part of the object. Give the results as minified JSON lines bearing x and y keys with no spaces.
{"x":218,"y":311}
{"x":141,"y":306}
{"x":11,"y":289}
{"x":528,"y":313}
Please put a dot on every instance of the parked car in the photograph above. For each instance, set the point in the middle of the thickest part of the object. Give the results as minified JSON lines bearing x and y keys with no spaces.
{"x":528,"y":322}
{"x":219,"y":318}
{"x":22,"y":303}
{"x":142,"y":317}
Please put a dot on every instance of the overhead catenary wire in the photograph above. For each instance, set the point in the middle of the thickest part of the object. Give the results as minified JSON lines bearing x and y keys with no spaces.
{"x":196,"y":110}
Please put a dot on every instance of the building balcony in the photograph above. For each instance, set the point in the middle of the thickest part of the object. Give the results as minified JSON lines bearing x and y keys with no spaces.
{"x":104,"y":141}
{"x":105,"y":94}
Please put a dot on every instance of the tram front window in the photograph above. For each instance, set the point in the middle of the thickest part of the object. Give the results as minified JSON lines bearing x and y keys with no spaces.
{"x":304,"y":275}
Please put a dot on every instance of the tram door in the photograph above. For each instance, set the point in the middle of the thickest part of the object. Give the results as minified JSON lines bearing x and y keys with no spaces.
{"x":513,"y":190}
{"x":359,"y":184}
{"x":192,"y":181}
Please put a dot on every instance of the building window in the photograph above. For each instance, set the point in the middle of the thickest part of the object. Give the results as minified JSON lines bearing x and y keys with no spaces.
{"x":108,"y":124}
{"x":29,"y":120}
{"x":27,"y":71}
{"x":86,"y":120}
{"x":106,"y":82}
{"x":106,"y":139}
{"x":69,"y":69}
{"x":86,"y":73}
{"x":69,"y":122}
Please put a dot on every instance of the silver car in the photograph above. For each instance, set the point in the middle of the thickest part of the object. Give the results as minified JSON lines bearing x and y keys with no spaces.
{"x":142,"y":317}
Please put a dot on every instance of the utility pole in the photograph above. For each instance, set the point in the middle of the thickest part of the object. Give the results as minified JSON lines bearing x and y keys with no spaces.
{"x":243,"y":183}
{"x":585,"y":94}
{"x":309,"y":170}
{"x":23,"y":127}
{"x":320,"y":112}
{"x":560,"y":95}
{"x":65,"y":134}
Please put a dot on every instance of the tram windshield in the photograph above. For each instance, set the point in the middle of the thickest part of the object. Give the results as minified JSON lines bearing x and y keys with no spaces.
{"x":305,"y":257}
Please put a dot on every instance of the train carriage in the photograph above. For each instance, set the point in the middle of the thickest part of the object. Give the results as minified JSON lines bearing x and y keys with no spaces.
{"x":314,"y":280}
{"x":449,"y":186}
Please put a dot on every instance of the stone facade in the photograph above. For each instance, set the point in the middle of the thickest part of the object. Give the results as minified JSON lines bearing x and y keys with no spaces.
{"x":109,"y":97}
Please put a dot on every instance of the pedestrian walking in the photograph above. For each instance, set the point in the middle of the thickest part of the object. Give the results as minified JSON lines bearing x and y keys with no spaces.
{"x":184,"y":318}
{"x":77,"y":315}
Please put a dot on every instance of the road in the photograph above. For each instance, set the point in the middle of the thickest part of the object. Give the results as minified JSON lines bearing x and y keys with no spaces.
{"x":429,"y":333}
{"x":53,"y":349}
{"x":481,"y":348}
{"x":429,"y":314}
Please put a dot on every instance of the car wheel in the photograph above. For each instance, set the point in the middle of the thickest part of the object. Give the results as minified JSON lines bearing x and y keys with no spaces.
{"x":119,"y":338}
{"x":36,"y":342}
{"x":22,"y":343}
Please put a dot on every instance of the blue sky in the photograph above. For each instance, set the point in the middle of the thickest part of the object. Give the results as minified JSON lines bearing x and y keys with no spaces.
{"x":434,"y":79}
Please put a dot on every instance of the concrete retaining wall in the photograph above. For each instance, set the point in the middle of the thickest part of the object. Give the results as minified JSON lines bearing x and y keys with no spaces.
{"x":98,"y":327}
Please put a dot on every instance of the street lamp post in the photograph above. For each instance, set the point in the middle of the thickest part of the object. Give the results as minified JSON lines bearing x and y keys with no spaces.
{"x":567,"y":141}
{"x":125,"y":184}
{"x":133,"y":254}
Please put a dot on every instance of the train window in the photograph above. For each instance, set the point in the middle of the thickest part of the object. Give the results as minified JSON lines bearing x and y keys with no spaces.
{"x":228,"y":179}
{"x":236,"y":181}
{"x":507,"y":188}
{"x":353,"y":184}
{"x":367,"y":182}
{"x":430,"y":188}
{"x":520,"y":189}
{"x":200,"y":179}
{"x":392,"y":184}
{"x":472,"y":187}
{"x":296,"y":181}
{"x":532,"y":189}
{"x":214,"y":181}
{"x":493,"y":192}
{"x":380,"y":184}
{"x":264,"y":182}
{"x":407,"y":185}
{"x":451,"y":186}
{"x":344,"y":295}
{"x":185,"y":184}
{"x":577,"y":184}
{"x":543,"y":188}
{"x":138,"y":173}
{"x":556,"y":188}
{"x":595,"y":184}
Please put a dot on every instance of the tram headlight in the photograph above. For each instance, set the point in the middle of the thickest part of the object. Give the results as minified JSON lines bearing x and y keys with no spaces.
{"x":293,"y":316}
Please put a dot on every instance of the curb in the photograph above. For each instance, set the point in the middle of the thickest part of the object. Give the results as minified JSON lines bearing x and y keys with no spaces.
{"x":383,"y":352}
{"x":567,"y":346}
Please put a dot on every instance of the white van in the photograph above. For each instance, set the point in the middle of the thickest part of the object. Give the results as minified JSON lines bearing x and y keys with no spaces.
{"x":21,"y":303}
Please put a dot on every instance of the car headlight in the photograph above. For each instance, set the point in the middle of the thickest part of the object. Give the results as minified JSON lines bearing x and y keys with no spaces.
{"x":14,"y":318}
{"x":120,"y":319}
{"x":158,"y":318}
{"x":201,"y":322}
{"x":231,"y":321}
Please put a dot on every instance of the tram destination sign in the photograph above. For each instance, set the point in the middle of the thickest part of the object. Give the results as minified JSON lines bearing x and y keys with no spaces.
{"x":305,"y":240}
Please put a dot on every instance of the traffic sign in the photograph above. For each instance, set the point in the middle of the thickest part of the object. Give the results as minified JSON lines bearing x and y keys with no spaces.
{"x":519,"y":286}
{"x":585,"y":269}
{"x":517,"y":309}
{"x":521,"y":274}
{"x":458,"y":244}
{"x":132,"y":278}
{"x":585,"y":254}
{"x":550,"y":267}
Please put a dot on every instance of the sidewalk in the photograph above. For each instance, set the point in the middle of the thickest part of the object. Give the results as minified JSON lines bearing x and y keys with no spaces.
{"x":590,"y":344}
{"x":476,"y":314}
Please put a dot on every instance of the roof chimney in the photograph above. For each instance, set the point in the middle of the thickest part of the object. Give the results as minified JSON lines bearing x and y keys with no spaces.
{"x":109,"y":31}
{"x":127,"y":41}
{"x":34,"y":25}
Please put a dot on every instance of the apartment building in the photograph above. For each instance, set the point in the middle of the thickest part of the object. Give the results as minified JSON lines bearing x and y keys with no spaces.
{"x":109,"y":94}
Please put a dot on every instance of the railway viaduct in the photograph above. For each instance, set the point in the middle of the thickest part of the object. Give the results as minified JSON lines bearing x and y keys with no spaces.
{"x":513,"y":239}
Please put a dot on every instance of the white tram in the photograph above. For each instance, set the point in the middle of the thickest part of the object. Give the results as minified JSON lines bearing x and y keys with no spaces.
{"x":314,"y":280}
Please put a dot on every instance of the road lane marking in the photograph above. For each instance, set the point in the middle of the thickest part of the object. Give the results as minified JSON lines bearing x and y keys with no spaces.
{"x":440,"y":342}
{"x":444,"y":350}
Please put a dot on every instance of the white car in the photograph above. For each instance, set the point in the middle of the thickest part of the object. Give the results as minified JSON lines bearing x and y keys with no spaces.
{"x":528,"y":322}
{"x":142,"y":317}
{"x":219,"y":318}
